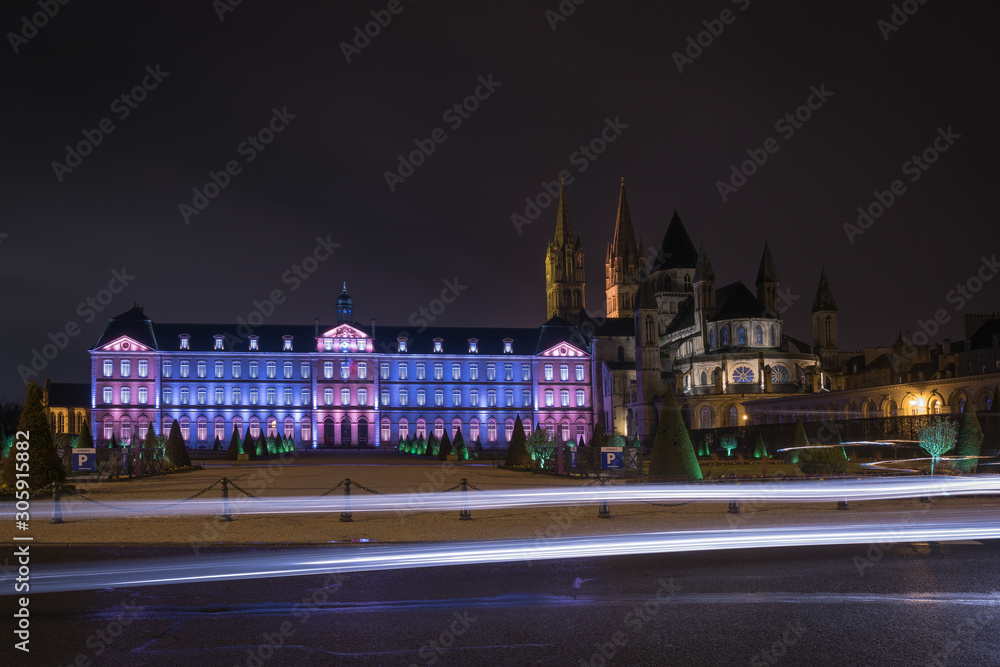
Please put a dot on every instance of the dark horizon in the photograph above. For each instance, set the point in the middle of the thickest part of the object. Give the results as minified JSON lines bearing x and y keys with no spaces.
{"x":878,"y":97}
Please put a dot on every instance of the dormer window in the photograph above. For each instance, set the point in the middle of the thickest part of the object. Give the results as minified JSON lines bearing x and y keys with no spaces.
{"x":328,"y":344}
{"x":508,"y":345}
{"x":286,"y":344}
{"x":219,"y":341}
{"x":401,"y":344}
{"x":438,"y":344}
{"x":185,"y":342}
{"x":253,"y":343}
{"x":473,"y":345}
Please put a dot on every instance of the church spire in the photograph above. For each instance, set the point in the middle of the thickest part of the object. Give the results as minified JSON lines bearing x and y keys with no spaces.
{"x":564,"y":233}
{"x":767,"y":273}
{"x":564,"y":275}
{"x":767,"y":283}
{"x":824,"y":300}
{"x":623,"y":242}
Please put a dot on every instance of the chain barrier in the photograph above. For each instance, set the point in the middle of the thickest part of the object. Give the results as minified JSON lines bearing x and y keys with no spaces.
{"x":145,"y":509}
{"x":365,"y":488}
{"x":329,"y":491}
{"x":41,"y":489}
{"x":245,"y":493}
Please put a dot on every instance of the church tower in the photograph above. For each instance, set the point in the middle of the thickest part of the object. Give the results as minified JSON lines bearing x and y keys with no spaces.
{"x":622,"y":263}
{"x":704,"y":294}
{"x":767,"y":283}
{"x":647,"y":357}
{"x":345,"y":307}
{"x":564,"y":278}
{"x":824,"y":316}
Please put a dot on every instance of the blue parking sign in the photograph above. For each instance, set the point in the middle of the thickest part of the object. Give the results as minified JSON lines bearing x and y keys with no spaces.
{"x":85,"y":459}
{"x":612,"y":458}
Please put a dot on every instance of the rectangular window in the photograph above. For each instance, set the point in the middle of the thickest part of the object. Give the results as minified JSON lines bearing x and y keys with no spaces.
{"x":474,"y":398}
{"x":508,"y":372}
{"x":307,"y":398}
{"x":126,"y":368}
{"x":421,"y":371}
{"x":185,"y":369}
{"x":220,"y":395}
{"x":168,"y":396}
{"x":550,"y":398}
{"x":254,"y":370}
{"x":328,"y":397}
{"x":202,"y":395}
{"x":474,"y":372}
{"x":254,"y":396}
{"x":237,"y":370}
{"x":456,"y":371}
{"x":218,"y":342}
{"x":167,"y":370}
{"x":237,"y":396}
{"x":581,"y":398}
{"x":126,"y":395}
{"x":401,"y":368}
{"x":304,"y":370}
{"x":564,"y":398}
{"x":272,"y":370}
{"x":526,"y":398}
{"x":421,"y":397}
{"x":362,"y":397}
{"x":579,"y":372}
{"x":456,"y":397}
{"x":287,"y":370}
{"x":219,"y":369}
{"x":271,"y":395}
{"x":564,"y":372}
{"x":508,"y":398}
{"x":327,"y":370}
{"x":143,"y":396}
{"x":438,"y":371}
{"x":383,"y":371}
{"x":345,"y":396}
{"x":328,"y":344}
{"x":143,"y":368}
{"x":491,"y":398}
{"x":109,"y":368}
{"x":404,"y":397}
{"x":288,"y":395}
{"x":345,"y":370}
{"x":185,"y":396}
{"x":202,"y":369}
{"x":525,"y":373}
{"x":362,"y":370}
{"x":439,"y":397}
{"x":491,"y":372}
{"x":385,"y":397}
{"x":548,"y":372}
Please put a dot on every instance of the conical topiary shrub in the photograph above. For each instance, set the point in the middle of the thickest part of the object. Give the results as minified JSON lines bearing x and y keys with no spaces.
{"x":517,"y":451}
{"x":176,"y":452}
{"x":970,"y":442}
{"x":673,"y":454}
{"x":233,"y":452}
{"x":444,"y":449}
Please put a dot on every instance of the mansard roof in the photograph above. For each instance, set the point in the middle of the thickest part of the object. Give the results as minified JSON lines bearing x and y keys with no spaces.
{"x":677,"y":251}
{"x":132,"y":323}
{"x":735,"y":301}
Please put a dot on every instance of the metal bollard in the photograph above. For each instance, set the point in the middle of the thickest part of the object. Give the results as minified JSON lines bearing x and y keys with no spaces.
{"x":57,"y":510}
{"x":734,"y":506}
{"x":603,"y":511}
{"x":842,"y":504}
{"x":464,"y":513}
{"x":225,"y":516}
{"x":346,"y":514}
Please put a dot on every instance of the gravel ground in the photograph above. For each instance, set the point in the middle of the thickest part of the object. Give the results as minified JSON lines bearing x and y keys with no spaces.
{"x":311,"y":474}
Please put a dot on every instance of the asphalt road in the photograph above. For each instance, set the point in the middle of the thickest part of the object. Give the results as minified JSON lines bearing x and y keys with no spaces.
{"x":907,"y":604}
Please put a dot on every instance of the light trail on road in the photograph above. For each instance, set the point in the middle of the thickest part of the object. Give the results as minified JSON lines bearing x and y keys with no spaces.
{"x":124,"y":573}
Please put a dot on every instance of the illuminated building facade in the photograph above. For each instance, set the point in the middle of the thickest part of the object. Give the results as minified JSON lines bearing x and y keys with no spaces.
{"x":332,"y":387}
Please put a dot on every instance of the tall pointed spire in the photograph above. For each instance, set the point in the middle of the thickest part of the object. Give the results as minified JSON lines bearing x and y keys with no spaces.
{"x":564,"y":233}
{"x":677,"y":251}
{"x":704,"y":272}
{"x":623,"y":242}
{"x":767,"y":273}
{"x":824,"y":294}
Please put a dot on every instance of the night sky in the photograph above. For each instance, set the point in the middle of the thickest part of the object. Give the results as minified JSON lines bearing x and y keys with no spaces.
{"x":323,"y":174}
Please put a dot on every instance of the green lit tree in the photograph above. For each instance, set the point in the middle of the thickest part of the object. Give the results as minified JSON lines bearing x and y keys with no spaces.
{"x":44,"y":463}
{"x":85,"y":441}
{"x":444,"y":449}
{"x":114,"y":442}
{"x":729,"y":444}
{"x":938,"y":438}
{"x":759,"y":448}
{"x":970,"y":442}
{"x":459,"y":447}
{"x":433,"y":446}
{"x":517,"y":451}
{"x":249,"y":446}
{"x":673,"y":453}
{"x":176,"y":452}
{"x":262,"y":445}
{"x":824,"y":460}
{"x":233,"y":453}
{"x":538,"y":438}
{"x":217,"y":445}
{"x":800,"y":441}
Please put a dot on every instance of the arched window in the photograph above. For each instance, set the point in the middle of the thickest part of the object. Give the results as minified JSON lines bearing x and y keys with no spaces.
{"x":362,"y":431}
{"x":254,"y":428}
{"x":109,"y":426}
{"x":741,"y":335}
{"x":491,"y":430}
{"x":508,"y":428}
{"x":758,"y":335}
{"x":650,"y":329}
{"x":779,"y":374}
{"x":706,"y":417}
{"x":305,"y":430}
{"x":143,"y":427}
{"x":734,"y":416}
{"x":743,"y":375}
{"x":202,"y":430}
{"x":126,"y":428}
{"x":165,"y":430}
{"x":687,"y":282}
{"x":238,"y":426}
{"x":704,"y":377}
{"x":329,"y":431}
{"x":936,"y":406}
{"x":345,"y":431}
{"x":385,"y":430}
{"x":724,"y":337}
{"x":404,"y":428}
{"x":564,"y":431}
{"x":473,"y":430}
{"x":456,"y":427}
{"x":220,"y":429}
{"x":774,"y":336}
{"x":711,"y":338}
{"x":288,"y":428}
{"x":421,"y":431}
{"x":186,"y":429}
{"x":272,"y":427}
{"x":438,"y":428}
